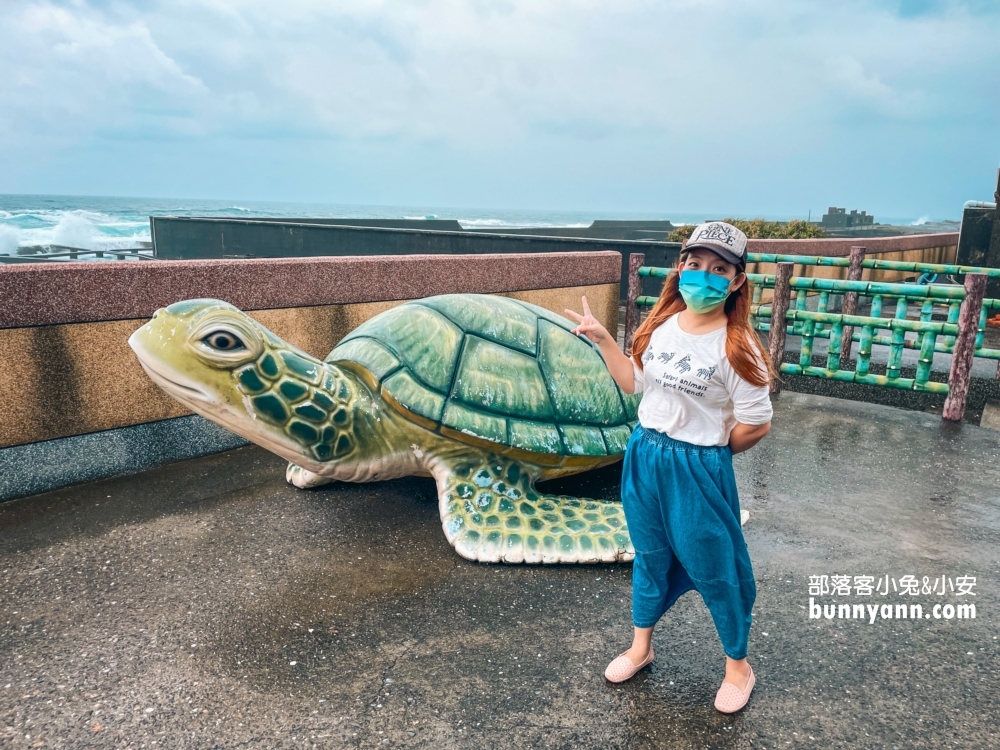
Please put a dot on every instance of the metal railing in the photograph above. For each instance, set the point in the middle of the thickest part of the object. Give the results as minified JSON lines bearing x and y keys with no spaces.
{"x":74,"y":253}
{"x":962,"y":313}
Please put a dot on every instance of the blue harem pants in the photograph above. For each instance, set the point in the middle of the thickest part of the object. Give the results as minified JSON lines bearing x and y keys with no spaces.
{"x":683,"y":515}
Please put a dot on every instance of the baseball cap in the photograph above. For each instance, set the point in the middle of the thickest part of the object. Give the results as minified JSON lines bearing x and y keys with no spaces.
{"x":723,"y":239}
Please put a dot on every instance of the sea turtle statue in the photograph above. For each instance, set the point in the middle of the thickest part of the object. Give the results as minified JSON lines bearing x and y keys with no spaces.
{"x":487,"y":395}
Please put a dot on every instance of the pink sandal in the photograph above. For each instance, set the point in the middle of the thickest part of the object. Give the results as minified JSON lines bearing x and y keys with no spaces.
{"x":730,"y":698}
{"x":622,"y":668}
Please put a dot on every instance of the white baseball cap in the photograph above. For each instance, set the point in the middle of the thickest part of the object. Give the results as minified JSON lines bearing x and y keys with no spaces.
{"x":723,"y":239}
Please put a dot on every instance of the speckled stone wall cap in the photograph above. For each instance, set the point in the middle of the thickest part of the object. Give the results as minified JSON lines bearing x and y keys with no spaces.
{"x":78,"y":292}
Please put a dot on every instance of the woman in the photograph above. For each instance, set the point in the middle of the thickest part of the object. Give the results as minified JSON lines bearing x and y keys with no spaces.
{"x":704,"y":379}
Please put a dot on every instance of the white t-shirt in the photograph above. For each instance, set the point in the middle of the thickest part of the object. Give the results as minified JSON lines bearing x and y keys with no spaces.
{"x":691,"y":392}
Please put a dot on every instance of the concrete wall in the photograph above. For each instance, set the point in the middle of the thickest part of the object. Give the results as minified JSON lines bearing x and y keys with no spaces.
{"x":70,"y":386}
{"x":917,"y":248}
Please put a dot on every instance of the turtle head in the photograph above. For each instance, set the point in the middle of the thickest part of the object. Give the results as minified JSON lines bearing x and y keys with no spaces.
{"x":224,"y":365}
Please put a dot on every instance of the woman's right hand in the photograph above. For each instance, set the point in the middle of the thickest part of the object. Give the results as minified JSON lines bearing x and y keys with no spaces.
{"x":589,"y":326}
{"x":617,"y":363}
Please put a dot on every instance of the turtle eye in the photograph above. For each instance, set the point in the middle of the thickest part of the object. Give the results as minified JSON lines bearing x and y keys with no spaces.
{"x":224,"y":341}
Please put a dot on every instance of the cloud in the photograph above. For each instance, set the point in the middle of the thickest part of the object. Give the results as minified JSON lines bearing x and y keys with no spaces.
{"x":918,"y":8}
{"x":492,"y":82}
{"x":67,"y":69}
{"x":848,"y":76}
{"x":458,"y":71}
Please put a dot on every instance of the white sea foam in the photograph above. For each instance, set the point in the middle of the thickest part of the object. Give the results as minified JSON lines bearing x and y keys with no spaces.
{"x":483,"y":222}
{"x":8,"y":240}
{"x":90,"y":230}
{"x":921,"y":221}
{"x":486,"y":223}
{"x":75,"y":230}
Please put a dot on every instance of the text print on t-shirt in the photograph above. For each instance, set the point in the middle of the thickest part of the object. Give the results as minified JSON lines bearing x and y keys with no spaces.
{"x":676,"y":380}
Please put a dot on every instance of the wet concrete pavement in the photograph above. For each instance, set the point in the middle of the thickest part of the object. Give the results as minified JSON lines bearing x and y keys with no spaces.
{"x":208,"y":604}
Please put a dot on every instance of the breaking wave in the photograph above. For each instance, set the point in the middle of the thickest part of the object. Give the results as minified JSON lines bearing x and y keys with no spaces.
{"x":87,"y":230}
{"x":8,"y":240}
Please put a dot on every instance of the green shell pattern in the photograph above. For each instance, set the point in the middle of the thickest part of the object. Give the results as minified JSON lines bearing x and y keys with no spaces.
{"x":496,"y":368}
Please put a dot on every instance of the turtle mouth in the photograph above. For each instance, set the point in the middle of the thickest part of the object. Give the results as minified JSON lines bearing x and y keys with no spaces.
{"x":172,"y":383}
{"x":172,"y":386}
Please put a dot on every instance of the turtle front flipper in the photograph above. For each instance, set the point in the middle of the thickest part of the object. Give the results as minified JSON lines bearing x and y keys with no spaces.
{"x":304,"y":479}
{"x":491,"y":512}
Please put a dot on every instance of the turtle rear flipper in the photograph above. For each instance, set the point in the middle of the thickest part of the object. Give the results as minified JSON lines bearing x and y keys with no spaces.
{"x":304,"y":479}
{"x":491,"y":512}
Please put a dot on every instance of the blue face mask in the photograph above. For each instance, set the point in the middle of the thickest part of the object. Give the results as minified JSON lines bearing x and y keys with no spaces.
{"x":703,"y":291}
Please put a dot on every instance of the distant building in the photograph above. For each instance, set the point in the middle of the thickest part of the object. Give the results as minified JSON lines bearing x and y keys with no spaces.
{"x":838,"y":218}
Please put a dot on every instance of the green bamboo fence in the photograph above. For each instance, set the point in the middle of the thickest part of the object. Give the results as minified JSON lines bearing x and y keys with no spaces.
{"x":904,"y":295}
{"x":927,"y":336}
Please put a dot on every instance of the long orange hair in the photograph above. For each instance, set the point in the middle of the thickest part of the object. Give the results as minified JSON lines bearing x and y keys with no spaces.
{"x":743,"y":348}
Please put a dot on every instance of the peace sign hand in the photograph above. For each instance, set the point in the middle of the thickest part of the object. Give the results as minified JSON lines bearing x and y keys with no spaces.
{"x":588,"y":325}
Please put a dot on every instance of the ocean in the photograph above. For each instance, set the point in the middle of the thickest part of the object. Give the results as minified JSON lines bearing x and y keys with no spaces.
{"x":108,"y":223}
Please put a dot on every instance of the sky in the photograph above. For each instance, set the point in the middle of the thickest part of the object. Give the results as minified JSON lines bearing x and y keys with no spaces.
{"x":748,"y":107}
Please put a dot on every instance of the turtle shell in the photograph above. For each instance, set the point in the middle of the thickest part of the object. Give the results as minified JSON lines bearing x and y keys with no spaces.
{"x":496,"y":369}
